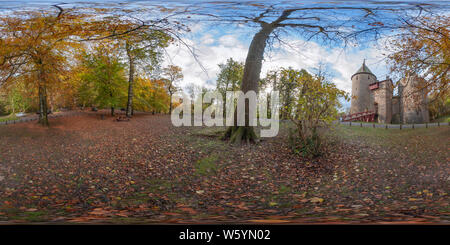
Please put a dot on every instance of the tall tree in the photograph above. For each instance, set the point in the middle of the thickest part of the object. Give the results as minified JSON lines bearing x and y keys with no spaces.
{"x":143,"y":47}
{"x":172,"y":75}
{"x":229,"y":78}
{"x":106,"y":75}
{"x":423,"y":47}
{"x":193,"y":90}
{"x":34,"y":44}
{"x":287,"y":87}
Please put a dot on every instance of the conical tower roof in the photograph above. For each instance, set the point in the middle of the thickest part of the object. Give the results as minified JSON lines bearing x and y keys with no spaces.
{"x":364,"y":69}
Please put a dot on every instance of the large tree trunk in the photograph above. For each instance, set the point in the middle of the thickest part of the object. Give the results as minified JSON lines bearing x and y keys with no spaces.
{"x":43,"y":116}
{"x":129,"y":112}
{"x":250,"y":81}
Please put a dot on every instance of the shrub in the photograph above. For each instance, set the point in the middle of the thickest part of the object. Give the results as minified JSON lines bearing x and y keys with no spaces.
{"x":311,"y":147}
{"x":315,"y":108}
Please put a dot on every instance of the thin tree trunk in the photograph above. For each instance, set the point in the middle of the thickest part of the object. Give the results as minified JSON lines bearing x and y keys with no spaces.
{"x":225,"y":99}
{"x":170,"y":105}
{"x":129,"y":112}
{"x":250,"y":82}
{"x":112,"y":111}
{"x":130,"y":90}
{"x":13,"y":105}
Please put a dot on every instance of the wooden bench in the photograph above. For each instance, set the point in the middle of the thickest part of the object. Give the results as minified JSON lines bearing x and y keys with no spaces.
{"x":122,"y":119}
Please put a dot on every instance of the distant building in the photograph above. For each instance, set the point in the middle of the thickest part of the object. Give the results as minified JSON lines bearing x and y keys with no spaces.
{"x":371,"y":95}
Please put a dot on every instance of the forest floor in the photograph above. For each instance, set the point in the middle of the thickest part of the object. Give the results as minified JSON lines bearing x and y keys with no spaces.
{"x":87,"y":170}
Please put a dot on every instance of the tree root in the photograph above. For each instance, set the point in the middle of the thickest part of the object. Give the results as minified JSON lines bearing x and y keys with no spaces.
{"x":240,"y":134}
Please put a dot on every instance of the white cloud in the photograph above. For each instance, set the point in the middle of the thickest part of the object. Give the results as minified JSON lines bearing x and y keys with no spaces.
{"x":209,"y":54}
{"x":208,"y":39}
{"x":212,"y":50}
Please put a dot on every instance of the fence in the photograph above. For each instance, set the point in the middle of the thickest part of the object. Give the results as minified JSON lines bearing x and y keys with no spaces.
{"x":395,"y":126}
{"x":35,"y":118}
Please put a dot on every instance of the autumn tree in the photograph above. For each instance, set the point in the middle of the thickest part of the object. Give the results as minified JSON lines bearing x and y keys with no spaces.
{"x":151,"y":95}
{"x":173,"y":75}
{"x":34,"y":45}
{"x":142,"y":38}
{"x":142,"y":47}
{"x":439,"y":106}
{"x":422,"y":47}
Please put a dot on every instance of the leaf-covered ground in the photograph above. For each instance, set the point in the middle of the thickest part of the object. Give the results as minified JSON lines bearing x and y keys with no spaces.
{"x":84,"y":169}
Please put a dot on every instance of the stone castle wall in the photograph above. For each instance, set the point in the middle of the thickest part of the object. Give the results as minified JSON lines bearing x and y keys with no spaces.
{"x":383,"y":99}
{"x":395,"y":109}
{"x":413,"y":103}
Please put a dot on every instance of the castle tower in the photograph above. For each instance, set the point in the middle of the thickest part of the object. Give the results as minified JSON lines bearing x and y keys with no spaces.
{"x":413,"y":100}
{"x":382,"y":93}
{"x":362,"y":98}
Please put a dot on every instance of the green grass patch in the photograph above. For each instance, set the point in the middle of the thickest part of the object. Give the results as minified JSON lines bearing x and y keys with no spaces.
{"x":206,"y":166}
{"x":8,"y":118}
{"x":210,"y":131}
{"x":36,"y":216}
{"x":381,"y":133}
{"x":159,"y":185}
{"x":284,"y":190}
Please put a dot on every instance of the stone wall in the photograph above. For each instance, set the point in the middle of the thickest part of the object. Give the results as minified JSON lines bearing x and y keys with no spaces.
{"x":414,"y":107}
{"x":383,"y":98}
{"x":395,"y":109}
